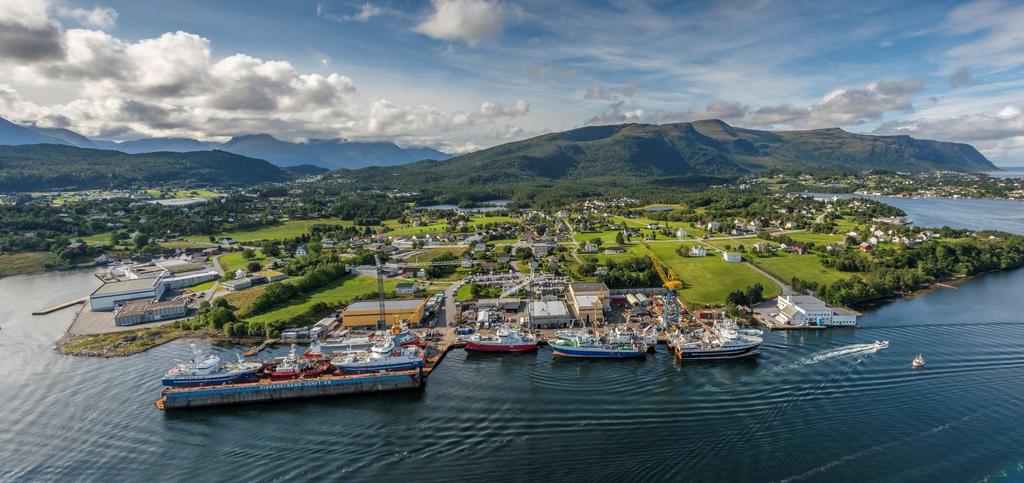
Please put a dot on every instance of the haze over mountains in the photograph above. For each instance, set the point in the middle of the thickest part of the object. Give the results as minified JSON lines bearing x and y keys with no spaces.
{"x":325,"y":153}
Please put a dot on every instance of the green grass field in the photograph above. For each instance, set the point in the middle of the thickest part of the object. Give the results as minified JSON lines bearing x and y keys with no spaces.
{"x":606,"y":236}
{"x":343,"y":290}
{"x":102,"y":238}
{"x":442,"y":226}
{"x":184,"y":244}
{"x":805,"y":267}
{"x":234,"y":260}
{"x":24,"y":262}
{"x":430,"y":253}
{"x":201,"y":287}
{"x":818,"y":239}
{"x":709,"y":280}
{"x":281,"y":231}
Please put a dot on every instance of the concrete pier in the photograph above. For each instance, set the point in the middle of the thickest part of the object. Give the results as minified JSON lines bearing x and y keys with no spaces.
{"x":266,"y":390}
{"x":54,"y":308}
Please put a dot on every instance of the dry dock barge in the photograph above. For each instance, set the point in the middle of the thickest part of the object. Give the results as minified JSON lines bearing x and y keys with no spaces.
{"x":266,"y":390}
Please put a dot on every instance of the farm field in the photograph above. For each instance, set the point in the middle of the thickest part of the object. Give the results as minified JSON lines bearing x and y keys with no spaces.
{"x":234,"y":260}
{"x":805,"y":267}
{"x":708,"y":280}
{"x":281,"y":231}
{"x":24,"y":262}
{"x":430,"y":253}
{"x":335,"y":293}
{"x":442,"y":225}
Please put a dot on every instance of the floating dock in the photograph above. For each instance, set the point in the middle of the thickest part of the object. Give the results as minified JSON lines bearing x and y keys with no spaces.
{"x":266,"y":390}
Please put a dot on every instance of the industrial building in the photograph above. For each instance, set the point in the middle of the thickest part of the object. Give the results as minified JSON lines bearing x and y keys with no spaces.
{"x":549,"y":314}
{"x":586,"y":299}
{"x":112,"y":294}
{"x":366,"y":313}
{"x":801,"y":310}
{"x":142,"y":311}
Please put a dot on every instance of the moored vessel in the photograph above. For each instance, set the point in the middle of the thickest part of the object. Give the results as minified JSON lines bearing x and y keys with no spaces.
{"x":505,"y":339}
{"x":385,"y":355}
{"x":720,"y":341}
{"x":208,"y":370}
{"x":295,"y":367}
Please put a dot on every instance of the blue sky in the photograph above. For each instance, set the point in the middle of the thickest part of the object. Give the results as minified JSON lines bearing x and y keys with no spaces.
{"x":464,"y":74}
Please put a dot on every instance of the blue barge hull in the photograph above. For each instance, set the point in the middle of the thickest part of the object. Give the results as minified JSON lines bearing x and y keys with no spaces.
{"x":264,"y":391}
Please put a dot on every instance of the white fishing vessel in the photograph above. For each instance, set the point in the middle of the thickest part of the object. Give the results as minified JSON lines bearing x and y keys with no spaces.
{"x":719,"y":341}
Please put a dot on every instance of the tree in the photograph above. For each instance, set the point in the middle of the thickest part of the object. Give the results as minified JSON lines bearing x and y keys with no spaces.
{"x":619,"y":239}
{"x":597,"y":241}
{"x":248,"y":254}
{"x":253,"y":267}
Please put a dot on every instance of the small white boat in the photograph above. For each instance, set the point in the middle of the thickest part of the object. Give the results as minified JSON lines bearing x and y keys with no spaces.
{"x":918,"y":361}
{"x":881,"y":344}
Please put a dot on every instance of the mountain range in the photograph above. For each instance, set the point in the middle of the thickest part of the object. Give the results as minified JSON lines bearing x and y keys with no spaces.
{"x":700,"y":148}
{"x":45,"y":167}
{"x":325,"y":153}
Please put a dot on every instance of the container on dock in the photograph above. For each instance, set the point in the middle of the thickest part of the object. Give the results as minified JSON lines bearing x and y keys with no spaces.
{"x":265,"y":390}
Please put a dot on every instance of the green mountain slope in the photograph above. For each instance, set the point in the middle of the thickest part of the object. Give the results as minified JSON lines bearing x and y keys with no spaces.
{"x":656,"y":153}
{"x":48,"y":167}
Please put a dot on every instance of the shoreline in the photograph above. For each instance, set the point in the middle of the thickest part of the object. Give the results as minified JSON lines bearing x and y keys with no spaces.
{"x":129,"y":343}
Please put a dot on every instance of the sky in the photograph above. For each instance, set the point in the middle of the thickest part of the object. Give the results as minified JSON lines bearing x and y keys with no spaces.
{"x":461,"y":75}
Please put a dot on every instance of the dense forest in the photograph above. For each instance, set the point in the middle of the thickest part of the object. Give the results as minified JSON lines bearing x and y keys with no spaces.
{"x":41,"y":167}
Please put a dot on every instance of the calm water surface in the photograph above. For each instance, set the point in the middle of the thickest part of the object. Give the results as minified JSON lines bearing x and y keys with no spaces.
{"x":1005,"y":215}
{"x":814,"y":407}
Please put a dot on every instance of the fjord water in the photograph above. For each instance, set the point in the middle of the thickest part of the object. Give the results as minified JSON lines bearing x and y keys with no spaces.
{"x":815,"y":406}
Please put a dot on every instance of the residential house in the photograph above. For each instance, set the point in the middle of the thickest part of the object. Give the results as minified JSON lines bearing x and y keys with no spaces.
{"x":732,"y":257}
{"x":698,"y":251}
{"x":301,"y":251}
{"x":406,"y":288}
{"x":614,"y":250}
{"x":681,"y":233}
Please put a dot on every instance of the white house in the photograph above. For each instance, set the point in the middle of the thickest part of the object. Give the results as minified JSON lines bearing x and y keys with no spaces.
{"x":698,"y":251}
{"x":681,"y":233}
{"x":590,"y":248}
{"x":301,"y":251}
{"x":406,"y":288}
{"x":732,"y":257}
{"x":714,"y":226}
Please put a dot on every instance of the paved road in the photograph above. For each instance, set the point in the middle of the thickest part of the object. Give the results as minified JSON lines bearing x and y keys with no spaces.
{"x":786,"y":289}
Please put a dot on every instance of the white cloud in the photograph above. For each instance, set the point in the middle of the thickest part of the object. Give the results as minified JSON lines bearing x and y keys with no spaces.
{"x":365,"y":13}
{"x":994,"y":29}
{"x":171,"y":85}
{"x":104,"y":18}
{"x":600,"y":92}
{"x":467,"y":20}
{"x":840,"y":107}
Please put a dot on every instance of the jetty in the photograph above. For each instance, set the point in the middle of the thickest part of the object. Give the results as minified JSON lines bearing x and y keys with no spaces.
{"x":54,"y":308}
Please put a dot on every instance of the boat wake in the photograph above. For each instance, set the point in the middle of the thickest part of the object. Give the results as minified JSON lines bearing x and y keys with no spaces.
{"x":847,"y":350}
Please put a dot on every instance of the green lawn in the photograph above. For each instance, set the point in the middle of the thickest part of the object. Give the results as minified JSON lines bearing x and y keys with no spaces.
{"x":785,"y":266}
{"x":343,"y":290}
{"x":184,"y":244}
{"x":635,"y":249}
{"x":440,"y":226}
{"x":606,"y":236}
{"x":464,"y":293}
{"x":102,"y":238}
{"x":281,"y":231}
{"x":234,"y":260}
{"x":430,"y":253}
{"x":202,"y":287}
{"x":709,"y":279}
{"x":818,"y":239}
{"x":24,"y":262}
